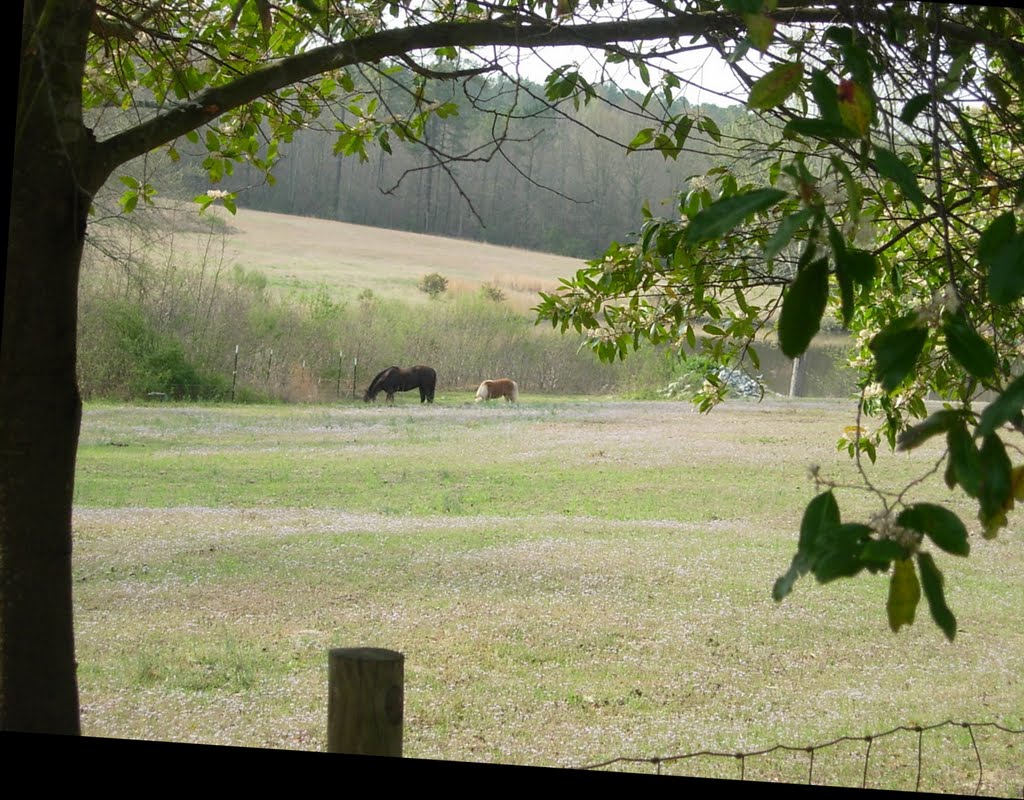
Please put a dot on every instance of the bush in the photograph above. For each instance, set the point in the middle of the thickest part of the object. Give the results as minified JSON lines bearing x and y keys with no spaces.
{"x":693,"y":371}
{"x":433,"y":284}
{"x":139,"y":361}
{"x":492,"y":292}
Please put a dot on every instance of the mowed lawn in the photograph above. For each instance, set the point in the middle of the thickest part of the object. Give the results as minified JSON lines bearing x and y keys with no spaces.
{"x":570,"y":581}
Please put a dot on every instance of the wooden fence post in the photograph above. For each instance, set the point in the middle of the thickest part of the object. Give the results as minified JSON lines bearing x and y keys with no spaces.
{"x":364,"y":707}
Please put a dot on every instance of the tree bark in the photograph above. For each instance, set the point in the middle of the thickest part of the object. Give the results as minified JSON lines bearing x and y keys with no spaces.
{"x":40,"y":409}
{"x":798,"y":377}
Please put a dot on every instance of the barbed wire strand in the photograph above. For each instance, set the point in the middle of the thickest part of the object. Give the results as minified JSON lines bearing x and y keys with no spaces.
{"x":658,"y":761}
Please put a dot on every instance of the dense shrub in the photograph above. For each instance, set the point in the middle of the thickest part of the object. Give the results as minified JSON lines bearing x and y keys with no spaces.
{"x":433,"y":284}
{"x":133,"y":360}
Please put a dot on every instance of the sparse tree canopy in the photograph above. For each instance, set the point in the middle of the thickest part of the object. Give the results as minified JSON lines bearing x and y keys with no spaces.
{"x":888,"y":193}
{"x":880,"y":184}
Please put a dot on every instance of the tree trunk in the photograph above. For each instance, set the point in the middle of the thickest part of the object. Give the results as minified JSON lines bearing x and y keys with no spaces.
{"x":798,"y":377}
{"x":40,"y":413}
{"x":40,"y":409}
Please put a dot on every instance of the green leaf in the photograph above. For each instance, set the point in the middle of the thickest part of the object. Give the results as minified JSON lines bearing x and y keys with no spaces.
{"x":682,"y":131}
{"x":129,"y":200}
{"x":827,"y":97}
{"x":891,"y":167}
{"x":723,"y":215}
{"x":845,"y":293}
{"x":799,"y":566}
{"x":802,"y":308}
{"x":858,"y":62}
{"x":785,"y":232}
{"x":896,"y":350}
{"x":999,"y":233}
{"x":860,"y":265}
{"x":642,"y":137}
{"x":964,"y":460}
{"x":775,"y":86}
{"x":856,"y":107}
{"x":1003,"y":409}
{"x":968,"y":347}
{"x":666,"y":146}
{"x":940,"y":524}
{"x":835,"y":239}
{"x":971,"y":141}
{"x":904,"y":594}
{"x":204,"y":201}
{"x":839,"y":552}
{"x":914,"y":106}
{"x":931,"y":582}
{"x":840,"y":35}
{"x":842,"y":276}
{"x":939,"y":422}
{"x":882,"y":551}
{"x":996,"y":495}
{"x":1006,"y":272}
{"x":994,"y":84}
{"x":710,"y":127}
{"x":821,"y":514}
{"x":760,"y":28}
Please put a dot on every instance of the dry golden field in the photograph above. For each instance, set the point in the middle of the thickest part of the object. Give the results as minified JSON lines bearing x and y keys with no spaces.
{"x":306,"y":251}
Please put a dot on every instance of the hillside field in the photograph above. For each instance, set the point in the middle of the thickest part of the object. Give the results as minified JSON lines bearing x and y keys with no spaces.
{"x":303,"y":251}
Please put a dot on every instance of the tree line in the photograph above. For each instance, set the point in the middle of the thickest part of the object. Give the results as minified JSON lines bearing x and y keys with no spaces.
{"x":561,"y":181}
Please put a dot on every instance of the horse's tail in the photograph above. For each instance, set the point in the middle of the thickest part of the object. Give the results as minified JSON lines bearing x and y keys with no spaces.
{"x":514,"y":396}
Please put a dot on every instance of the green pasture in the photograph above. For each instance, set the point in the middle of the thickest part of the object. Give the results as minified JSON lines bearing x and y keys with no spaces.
{"x":570,"y":581}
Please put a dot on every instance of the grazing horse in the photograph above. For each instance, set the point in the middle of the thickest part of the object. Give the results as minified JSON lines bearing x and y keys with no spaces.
{"x":398,"y":379}
{"x":502,"y":387}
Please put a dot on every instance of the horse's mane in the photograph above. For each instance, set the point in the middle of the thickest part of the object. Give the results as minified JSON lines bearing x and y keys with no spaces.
{"x":374,"y":388}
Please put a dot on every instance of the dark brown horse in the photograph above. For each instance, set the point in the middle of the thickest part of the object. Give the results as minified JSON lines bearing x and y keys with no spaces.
{"x":398,"y":379}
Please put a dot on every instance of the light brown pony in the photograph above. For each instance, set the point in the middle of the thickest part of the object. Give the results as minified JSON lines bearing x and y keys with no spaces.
{"x":502,"y":387}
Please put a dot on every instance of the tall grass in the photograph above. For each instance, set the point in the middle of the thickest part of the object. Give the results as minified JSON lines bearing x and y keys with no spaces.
{"x":175,"y":330}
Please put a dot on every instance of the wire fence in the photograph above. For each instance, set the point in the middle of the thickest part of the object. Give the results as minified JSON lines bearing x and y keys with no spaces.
{"x":1010,"y":758}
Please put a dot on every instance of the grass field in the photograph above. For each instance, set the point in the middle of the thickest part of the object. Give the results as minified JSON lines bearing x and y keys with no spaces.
{"x":569,"y":581}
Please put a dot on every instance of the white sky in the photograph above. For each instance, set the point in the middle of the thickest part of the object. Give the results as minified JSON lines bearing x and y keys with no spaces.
{"x":714,"y":81}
